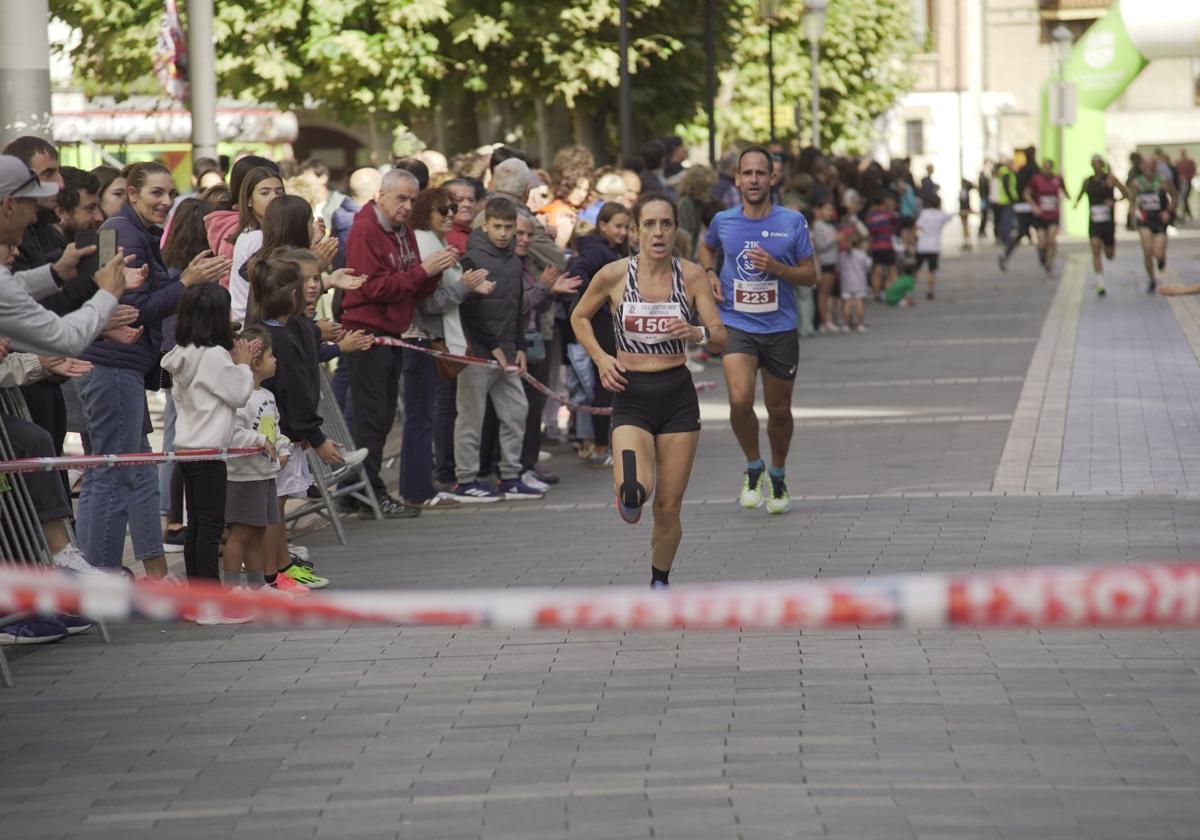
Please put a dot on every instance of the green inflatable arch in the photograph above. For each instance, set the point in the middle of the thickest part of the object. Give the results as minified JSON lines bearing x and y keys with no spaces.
{"x":1102,"y":63}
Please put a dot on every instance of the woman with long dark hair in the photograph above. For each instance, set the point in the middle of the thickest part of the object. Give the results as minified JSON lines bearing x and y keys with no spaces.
{"x":114,"y":392}
{"x":261,"y":186}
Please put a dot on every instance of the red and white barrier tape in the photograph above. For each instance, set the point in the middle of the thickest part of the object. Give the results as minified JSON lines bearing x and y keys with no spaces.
{"x":526,"y":376}
{"x":129,"y":459}
{"x":1144,"y":595}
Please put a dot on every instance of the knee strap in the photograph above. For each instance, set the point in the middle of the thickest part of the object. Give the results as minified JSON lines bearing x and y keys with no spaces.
{"x":633,"y":494}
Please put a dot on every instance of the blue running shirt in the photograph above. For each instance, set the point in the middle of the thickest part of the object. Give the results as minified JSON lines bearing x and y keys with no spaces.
{"x":756,"y":302}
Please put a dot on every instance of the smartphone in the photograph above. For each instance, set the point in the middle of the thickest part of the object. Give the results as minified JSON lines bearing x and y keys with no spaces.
{"x":91,"y":263}
{"x":108,"y":246}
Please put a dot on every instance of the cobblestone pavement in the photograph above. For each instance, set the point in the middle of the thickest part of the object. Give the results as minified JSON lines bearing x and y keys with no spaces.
{"x":916,"y":449}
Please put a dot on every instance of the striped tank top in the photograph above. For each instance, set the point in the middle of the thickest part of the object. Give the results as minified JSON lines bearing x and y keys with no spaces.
{"x":641,"y":325}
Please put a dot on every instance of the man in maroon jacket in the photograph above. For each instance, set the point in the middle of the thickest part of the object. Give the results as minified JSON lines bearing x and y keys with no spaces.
{"x":382,"y":246}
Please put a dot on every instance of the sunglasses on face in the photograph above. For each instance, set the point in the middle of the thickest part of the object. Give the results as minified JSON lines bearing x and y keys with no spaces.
{"x":448,"y":210}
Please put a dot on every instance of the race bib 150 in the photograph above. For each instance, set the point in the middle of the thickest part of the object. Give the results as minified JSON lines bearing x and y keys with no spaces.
{"x":649,"y":323}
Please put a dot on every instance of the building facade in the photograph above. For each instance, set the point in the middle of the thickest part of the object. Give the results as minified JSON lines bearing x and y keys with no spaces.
{"x":979,"y":88}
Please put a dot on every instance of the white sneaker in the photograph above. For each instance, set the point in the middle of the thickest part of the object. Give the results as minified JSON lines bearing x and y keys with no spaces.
{"x":300,"y":551}
{"x":221,"y":618}
{"x":544,"y":456}
{"x":71,"y":559}
{"x":530,"y":478}
{"x":350,"y":459}
{"x":751,"y":496}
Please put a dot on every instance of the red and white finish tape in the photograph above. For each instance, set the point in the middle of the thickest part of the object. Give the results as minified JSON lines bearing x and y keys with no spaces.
{"x":1141,"y":595}
{"x":536,"y":384}
{"x":129,"y":459}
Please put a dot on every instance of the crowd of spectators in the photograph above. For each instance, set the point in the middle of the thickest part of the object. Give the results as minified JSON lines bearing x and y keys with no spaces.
{"x":234,"y":299}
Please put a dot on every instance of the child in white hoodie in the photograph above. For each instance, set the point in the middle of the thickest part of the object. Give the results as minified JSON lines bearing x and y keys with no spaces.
{"x":212,"y":380}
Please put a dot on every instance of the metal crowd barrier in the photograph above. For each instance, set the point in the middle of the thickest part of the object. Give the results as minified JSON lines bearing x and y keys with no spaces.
{"x":22,"y":542}
{"x":334,"y":483}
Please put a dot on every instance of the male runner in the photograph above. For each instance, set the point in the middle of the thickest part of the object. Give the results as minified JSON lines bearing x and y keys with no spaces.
{"x":1156,"y":199}
{"x":767,"y":253}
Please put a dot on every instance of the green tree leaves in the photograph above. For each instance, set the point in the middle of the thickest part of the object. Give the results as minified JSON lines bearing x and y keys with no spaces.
{"x":400,"y":58}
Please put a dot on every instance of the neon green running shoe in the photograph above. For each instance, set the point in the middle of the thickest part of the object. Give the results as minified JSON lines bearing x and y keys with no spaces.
{"x":751,"y":496}
{"x":780,"y":501}
{"x":305,"y":577}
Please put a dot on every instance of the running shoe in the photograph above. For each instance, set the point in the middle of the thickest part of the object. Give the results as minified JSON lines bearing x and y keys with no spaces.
{"x":530,"y":478}
{"x":288,"y":585}
{"x":752,"y":486}
{"x":544,"y":475}
{"x":391,"y":508}
{"x":75,"y":624}
{"x":475,"y":493}
{"x":71,"y":559}
{"x":515,"y":490}
{"x":215,"y":619}
{"x":36,"y":631}
{"x":350,"y":459}
{"x":1003,"y":261}
{"x":659,"y":584}
{"x":438,"y":501}
{"x":631,"y":515}
{"x":1100,"y":290}
{"x":297,"y":560}
{"x":173,"y":540}
{"x":780,"y":501}
{"x":1151,"y":287}
{"x":305,"y":577}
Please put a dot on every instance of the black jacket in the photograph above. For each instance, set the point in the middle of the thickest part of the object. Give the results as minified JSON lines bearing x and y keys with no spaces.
{"x":296,"y":384}
{"x":494,"y":320}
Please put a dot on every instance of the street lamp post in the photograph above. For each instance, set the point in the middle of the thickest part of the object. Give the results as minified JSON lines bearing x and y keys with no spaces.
{"x":1061,"y":47}
{"x":814,"y":27}
{"x":769,"y":10}
{"x":202,"y":78}
{"x":624,"y":105}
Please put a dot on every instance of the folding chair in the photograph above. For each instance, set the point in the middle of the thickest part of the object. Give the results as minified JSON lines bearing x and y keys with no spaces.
{"x":334,"y":483}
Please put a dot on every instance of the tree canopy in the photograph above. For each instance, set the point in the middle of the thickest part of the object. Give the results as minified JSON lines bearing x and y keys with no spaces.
{"x":399,"y":60}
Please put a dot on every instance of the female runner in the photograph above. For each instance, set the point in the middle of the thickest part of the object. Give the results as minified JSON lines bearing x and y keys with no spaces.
{"x":654,"y":297}
{"x":1099,"y":188}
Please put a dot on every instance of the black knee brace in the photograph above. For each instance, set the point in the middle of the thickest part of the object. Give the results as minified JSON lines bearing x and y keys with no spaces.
{"x":633,"y":494}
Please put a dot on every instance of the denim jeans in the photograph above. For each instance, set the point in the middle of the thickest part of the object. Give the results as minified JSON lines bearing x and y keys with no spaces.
{"x":118,"y":421}
{"x":165,"y":471}
{"x":419,"y":385}
{"x":581,"y":383}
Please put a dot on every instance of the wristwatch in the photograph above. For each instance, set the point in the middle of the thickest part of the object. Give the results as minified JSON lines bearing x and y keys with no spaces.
{"x":704,"y":336}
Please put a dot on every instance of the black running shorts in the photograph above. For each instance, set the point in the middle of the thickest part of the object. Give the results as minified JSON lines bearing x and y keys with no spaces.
{"x":884,"y":256}
{"x":929,"y":258}
{"x":1106,"y":232}
{"x":778,"y":352}
{"x":663,"y":402}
